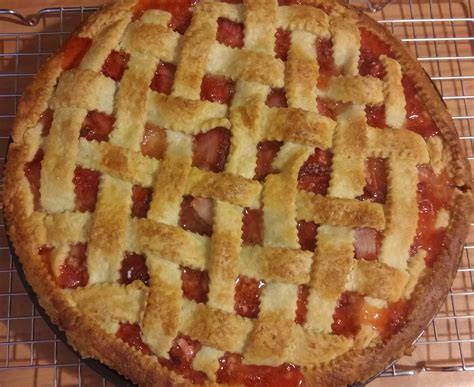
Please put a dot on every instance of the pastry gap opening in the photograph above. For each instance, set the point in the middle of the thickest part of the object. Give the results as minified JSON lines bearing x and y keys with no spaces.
{"x":163,"y":79}
{"x":302,"y":304}
{"x":230,"y":33}
{"x":217,"y":88}
{"x":134,"y":268}
{"x":315,"y":173}
{"x":116,"y":64}
{"x":375,"y":116}
{"x":74,"y":49}
{"x":73,"y":272}
{"x":181,"y":355}
{"x":141,"y":199}
{"x":97,"y":126}
{"x":154,"y":142}
{"x":307,"y":235}
{"x":367,"y":243}
{"x":195,"y":284}
{"x":247,"y":296}
{"x":376,"y":184}
{"x":266,"y":154}
{"x":197,"y":215}
{"x":282,"y":43}
{"x":32,"y":171}
{"x":252,"y":226}
{"x":210,"y":149}
{"x":86,"y":186}
{"x":131,"y":335}
{"x":327,"y":66}
{"x":46,"y":120}
{"x":277,"y":99}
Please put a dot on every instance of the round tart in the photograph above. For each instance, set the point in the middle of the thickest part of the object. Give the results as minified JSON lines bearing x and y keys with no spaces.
{"x":260,"y":193}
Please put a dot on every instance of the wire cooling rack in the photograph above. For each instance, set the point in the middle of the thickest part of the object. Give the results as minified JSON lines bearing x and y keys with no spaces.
{"x":440,"y":33}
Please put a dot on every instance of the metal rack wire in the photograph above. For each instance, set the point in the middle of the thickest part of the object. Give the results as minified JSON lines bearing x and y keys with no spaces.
{"x":440,"y":33}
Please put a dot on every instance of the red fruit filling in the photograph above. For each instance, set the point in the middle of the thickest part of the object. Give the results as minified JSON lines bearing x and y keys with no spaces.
{"x":433,"y":193}
{"x":134,"y":268}
{"x":115,"y":65}
{"x":301,"y":304}
{"x":46,"y":119}
{"x":233,"y":371}
{"x":266,"y":153}
{"x":181,"y":357}
{"x":162,"y":81}
{"x":210,"y":149}
{"x":196,"y":215}
{"x":328,"y":107}
{"x":282,"y":43}
{"x":195,"y":284}
{"x":315,"y":173}
{"x":376,"y":180}
{"x":86,"y":185}
{"x":141,"y":199}
{"x":154,"y":142}
{"x":229,"y":33}
{"x":352,"y":311}
{"x":376,"y":116}
{"x":74,"y":50}
{"x":73,"y":272}
{"x":97,"y":126}
{"x":32,"y":172}
{"x":277,"y":99}
{"x":418,"y":119}
{"x":371,"y":48}
{"x":367,"y":243}
{"x":252,"y":226}
{"x":307,"y":235}
{"x":181,"y":15}
{"x":247,"y":296}
{"x":217,"y":88}
{"x":131,"y":334}
{"x":327,"y":67}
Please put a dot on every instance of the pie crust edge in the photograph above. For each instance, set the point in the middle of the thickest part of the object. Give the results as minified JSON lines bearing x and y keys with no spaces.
{"x":84,"y":333}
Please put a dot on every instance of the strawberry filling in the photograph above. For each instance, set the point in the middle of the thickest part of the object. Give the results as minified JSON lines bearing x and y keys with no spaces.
{"x":307,"y":235}
{"x":73,"y":272}
{"x":282,"y":43}
{"x":252,"y":226}
{"x":372,"y":47}
{"x":181,"y":357}
{"x":74,"y":50}
{"x":266,"y":153}
{"x":210,"y":149}
{"x":367,"y":243}
{"x":352,"y":311}
{"x":328,"y":107}
{"x":376,"y":116}
{"x":195,"y":284}
{"x":97,"y":126}
{"x":154,"y":142}
{"x":233,"y":371}
{"x":141,"y":199}
{"x":180,"y":12}
{"x":86,"y":185}
{"x":327,"y":67}
{"x":376,"y":180}
{"x":131,"y":334}
{"x":433,"y":193}
{"x":315,"y":173}
{"x":217,"y":88}
{"x":134,"y":268}
{"x":277,"y":99}
{"x":163,"y":79}
{"x":196,"y":215}
{"x":46,"y":119}
{"x":418,"y":119}
{"x":301,"y":304}
{"x":247,"y":296}
{"x":229,"y":33}
{"x":115,"y":65}
{"x":32,"y":172}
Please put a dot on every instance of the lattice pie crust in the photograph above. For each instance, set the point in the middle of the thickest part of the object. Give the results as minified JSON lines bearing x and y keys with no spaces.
{"x":91,"y":314}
